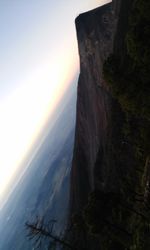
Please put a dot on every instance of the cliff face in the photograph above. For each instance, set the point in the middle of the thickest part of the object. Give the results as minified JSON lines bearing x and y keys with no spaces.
{"x":95,"y":34}
{"x":110,"y":180}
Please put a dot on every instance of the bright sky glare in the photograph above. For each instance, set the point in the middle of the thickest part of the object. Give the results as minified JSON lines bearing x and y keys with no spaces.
{"x":38,"y":59}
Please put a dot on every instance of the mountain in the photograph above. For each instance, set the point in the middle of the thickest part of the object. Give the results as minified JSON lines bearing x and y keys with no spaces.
{"x":95,"y":34}
{"x":43,"y":190}
{"x":109,"y":196}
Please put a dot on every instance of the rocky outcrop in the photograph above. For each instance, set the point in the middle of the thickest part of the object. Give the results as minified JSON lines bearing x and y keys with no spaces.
{"x":110,"y":184}
{"x":95,"y":34}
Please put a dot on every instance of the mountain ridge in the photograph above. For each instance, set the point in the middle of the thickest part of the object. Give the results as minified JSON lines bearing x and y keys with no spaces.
{"x":95,"y":33}
{"x":110,"y":195}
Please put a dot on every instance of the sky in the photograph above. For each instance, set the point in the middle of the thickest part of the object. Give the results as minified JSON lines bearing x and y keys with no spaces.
{"x":38,"y":61}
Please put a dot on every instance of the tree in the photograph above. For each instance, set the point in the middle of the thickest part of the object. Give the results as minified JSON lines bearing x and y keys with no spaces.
{"x":40,"y":232}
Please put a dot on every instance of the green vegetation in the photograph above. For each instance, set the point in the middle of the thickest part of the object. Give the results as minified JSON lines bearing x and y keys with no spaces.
{"x":128,"y":74}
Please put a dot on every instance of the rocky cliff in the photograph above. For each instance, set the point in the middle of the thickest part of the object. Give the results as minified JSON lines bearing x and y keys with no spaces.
{"x":110,"y":177}
{"x":95,"y":34}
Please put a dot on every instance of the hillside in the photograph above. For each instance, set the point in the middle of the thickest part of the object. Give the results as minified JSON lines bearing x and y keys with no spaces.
{"x":109,"y":200}
{"x":95,"y":38}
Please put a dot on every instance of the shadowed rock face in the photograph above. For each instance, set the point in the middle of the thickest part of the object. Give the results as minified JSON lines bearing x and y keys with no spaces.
{"x":95,"y":34}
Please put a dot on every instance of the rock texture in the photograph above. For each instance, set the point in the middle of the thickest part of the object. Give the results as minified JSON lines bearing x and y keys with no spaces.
{"x":95,"y":34}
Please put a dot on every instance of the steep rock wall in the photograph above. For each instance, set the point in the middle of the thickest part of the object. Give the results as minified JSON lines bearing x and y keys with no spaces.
{"x":95,"y":34}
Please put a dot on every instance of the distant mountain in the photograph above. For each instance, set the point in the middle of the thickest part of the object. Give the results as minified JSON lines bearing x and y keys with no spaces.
{"x":44,"y":189}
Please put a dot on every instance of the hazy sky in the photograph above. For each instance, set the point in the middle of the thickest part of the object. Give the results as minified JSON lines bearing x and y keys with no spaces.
{"x":38,"y":60}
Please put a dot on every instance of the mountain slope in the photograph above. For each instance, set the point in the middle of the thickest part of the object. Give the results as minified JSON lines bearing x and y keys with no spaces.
{"x":95,"y":33}
{"x":110,"y":196}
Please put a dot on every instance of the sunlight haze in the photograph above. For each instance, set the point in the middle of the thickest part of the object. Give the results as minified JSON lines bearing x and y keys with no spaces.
{"x":38,"y":60}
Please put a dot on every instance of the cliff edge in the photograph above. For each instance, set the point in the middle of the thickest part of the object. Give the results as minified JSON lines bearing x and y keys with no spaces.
{"x":95,"y":34}
{"x":110,"y":176}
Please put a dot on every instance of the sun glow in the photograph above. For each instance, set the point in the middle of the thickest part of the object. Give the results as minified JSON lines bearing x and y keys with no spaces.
{"x":23,"y":113}
{"x":38,"y":60}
